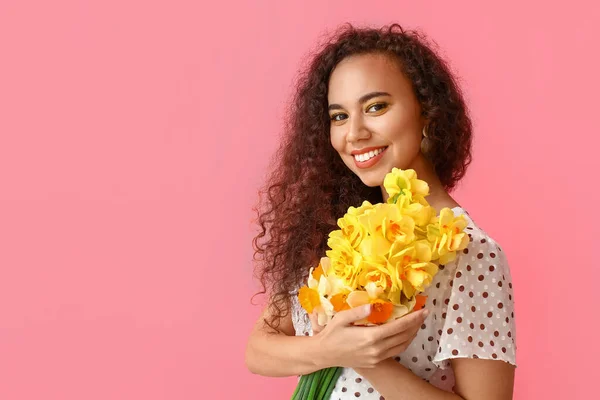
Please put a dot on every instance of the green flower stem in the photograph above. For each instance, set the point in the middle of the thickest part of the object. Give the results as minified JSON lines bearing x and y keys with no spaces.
{"x":296,"y":393}
{"x":327,"y":382}
{"x":305,"y":382}
{"x":314,"y":385}
{"x":331,"y":385}
{"x":318,"y":385}
{"x":302,"y":387}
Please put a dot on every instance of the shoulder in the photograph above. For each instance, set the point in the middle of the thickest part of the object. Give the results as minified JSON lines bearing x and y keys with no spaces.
{"x":482,"y":273}
{"x":483,"y":250}
{"x":478,"y":236}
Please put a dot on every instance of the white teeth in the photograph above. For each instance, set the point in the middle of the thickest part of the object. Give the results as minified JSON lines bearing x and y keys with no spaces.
{"x":368,"y":155}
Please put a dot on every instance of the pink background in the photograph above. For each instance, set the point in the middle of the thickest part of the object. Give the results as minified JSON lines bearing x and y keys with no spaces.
{"x":133,"y":137}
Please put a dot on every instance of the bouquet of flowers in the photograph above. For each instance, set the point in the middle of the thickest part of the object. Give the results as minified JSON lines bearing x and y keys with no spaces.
{"x":384,"y":254}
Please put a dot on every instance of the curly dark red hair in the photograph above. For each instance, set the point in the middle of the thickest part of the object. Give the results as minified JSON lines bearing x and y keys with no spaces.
{"x":310,"y":187}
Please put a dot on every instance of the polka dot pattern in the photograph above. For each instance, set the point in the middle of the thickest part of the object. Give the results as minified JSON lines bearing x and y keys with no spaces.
{"x":471,"y":303}
{"x":480,"y":323}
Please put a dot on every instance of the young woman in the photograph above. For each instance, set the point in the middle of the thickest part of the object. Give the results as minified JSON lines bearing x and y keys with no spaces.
{"x":371,"y":100}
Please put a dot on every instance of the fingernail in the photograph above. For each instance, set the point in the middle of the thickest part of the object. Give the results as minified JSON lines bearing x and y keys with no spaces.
{"x":425,"y":314}
{"x":367,"y":309}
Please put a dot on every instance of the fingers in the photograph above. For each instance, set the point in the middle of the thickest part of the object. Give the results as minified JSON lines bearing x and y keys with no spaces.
{"x":398,"y":339}
{"x":314,"y":321}
{"x":354,"y":314}
{"x":394,"y":351}
{"x":406,"y":323}
{"x":397,"y":344}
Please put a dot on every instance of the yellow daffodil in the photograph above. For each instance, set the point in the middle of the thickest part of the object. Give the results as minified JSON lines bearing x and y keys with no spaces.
{"x":359,"y":211}
{"x":377,"y":273}
{"x":411,"y":267}
{"x":381,"y":309}
{"x":422,"y":214}
{"x":387,"y":220}
{"x":352,"y":229}
{"x":401,"y":230}
{"x":326,"y":283}
{"x":325,"y":311}
{"x":374,"y":248}
{"x":322,"y":288}
{"x":345,"y":261}
{"x":447,"y":236}
{"x":314,"y":275}
{"x":420,"y":275}
{"x":404,"y":183}
{"x":384,"y":254}
{"x":339,"y":301}
{"x":309,"y":298}
{"x":385,"y":225}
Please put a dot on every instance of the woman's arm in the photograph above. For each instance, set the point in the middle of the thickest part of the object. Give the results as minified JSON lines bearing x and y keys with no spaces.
{"x":339,"y":344}
{"x":396,"y":382}
{"x":483,"y":379}
{"x":278,"y":354}
{"x":476,"y":379}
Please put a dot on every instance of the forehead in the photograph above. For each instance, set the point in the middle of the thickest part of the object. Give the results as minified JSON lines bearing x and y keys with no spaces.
{"x":356,"y":75}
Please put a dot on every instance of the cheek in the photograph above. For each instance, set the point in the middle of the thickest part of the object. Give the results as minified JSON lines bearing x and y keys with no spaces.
{"x":338,"y":142}
{"x":336,"y":139}
{"x":404,"y":135}
{"x":396,"y":125}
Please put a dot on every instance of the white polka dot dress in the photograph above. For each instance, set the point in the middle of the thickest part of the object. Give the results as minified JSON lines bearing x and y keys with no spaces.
{"x":471,"y":305}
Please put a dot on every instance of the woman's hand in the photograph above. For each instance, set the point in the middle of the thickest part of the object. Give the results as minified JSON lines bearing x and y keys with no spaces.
{"x":345,"y":345}
{"x":314,"y":322}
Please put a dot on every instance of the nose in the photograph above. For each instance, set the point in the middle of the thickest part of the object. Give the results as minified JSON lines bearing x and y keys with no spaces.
{"x":357,"y":130}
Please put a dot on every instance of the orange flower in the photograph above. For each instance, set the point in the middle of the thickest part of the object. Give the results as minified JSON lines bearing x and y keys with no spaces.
{"x":339,"y":302}
{"x":380,"y":311}
{"x":309,"y":298}
{"x":318,"y":272}
{"x":420,"y":302}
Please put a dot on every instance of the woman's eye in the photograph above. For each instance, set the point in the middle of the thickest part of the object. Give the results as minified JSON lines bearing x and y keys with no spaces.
{"x":338,"y":117}
{"x":377,"y":107}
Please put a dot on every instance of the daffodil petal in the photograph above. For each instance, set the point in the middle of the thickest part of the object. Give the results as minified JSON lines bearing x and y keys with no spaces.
{"x":357,"y":299}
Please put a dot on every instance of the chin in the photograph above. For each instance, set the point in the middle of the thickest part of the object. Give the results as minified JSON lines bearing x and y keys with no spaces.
{"x":372,"y":178}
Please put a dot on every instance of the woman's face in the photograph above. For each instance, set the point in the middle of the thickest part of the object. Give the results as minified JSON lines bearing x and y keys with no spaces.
{"x":376,"y":121}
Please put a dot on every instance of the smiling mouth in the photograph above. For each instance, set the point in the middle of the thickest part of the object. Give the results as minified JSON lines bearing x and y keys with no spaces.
{"x":368,"y":157}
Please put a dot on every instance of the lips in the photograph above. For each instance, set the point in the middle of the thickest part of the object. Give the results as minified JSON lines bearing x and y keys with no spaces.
{"x":367,"y":157}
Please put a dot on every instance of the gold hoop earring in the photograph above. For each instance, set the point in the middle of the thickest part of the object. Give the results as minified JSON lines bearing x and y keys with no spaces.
{"x":425,"y":142}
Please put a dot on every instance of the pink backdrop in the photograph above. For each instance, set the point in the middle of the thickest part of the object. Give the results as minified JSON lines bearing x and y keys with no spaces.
{"x":133,"y":136}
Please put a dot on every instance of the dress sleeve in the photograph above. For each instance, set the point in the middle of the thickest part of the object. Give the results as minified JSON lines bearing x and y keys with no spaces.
{"x":479,"y":315}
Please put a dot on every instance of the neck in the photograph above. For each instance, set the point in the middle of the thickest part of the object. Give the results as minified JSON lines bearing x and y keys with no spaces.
{"x":438,"y":197}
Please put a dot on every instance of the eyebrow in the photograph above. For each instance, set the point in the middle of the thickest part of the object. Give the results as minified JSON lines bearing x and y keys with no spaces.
{"x":362,"y":100}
